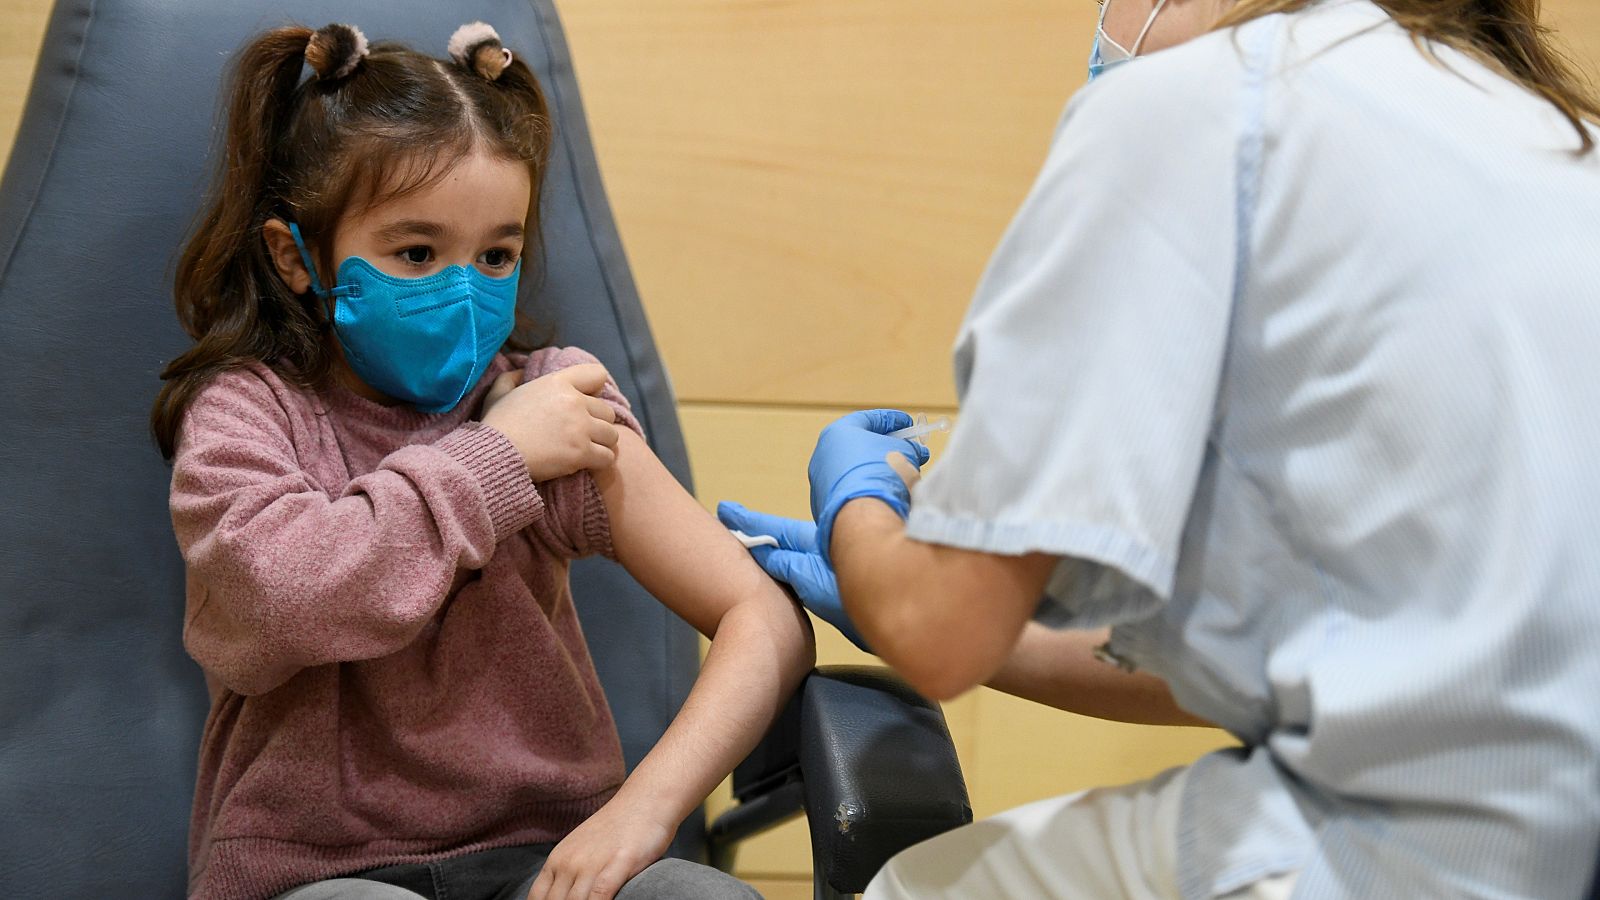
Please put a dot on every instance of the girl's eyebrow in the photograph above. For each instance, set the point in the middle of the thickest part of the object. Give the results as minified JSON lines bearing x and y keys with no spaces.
{"x":408,"y":228}
{"x":421,"y":228}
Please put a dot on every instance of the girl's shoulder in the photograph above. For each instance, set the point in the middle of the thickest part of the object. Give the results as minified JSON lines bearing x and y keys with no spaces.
{"x":251,"y":395}
{"x":255,"y":383}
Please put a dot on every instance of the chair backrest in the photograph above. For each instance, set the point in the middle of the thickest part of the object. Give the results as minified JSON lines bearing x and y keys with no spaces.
{"x":100,"y":709}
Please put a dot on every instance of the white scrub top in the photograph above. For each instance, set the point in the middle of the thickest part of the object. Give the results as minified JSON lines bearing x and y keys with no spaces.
{"x":1294,"y":353}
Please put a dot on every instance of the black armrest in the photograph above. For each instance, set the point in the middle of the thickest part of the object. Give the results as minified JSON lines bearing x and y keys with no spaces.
{"x":870,"y":760}
{"x":879,"y":770}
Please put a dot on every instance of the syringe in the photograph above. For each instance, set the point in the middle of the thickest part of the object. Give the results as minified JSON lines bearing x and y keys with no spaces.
{"x":921,"y":428}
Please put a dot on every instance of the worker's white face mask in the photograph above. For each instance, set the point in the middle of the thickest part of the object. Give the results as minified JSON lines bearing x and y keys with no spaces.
{"x":1107,"y":53}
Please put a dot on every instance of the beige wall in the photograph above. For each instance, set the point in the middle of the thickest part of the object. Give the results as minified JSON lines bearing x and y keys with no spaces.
{"x":808,"y":192}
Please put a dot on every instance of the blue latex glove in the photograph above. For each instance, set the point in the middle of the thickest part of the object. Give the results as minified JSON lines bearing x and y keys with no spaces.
{"x":851,"y":462}
{"x":795,"y":562}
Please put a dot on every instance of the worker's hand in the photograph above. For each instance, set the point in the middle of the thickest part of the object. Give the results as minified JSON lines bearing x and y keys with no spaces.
{"x":558,"y":422}
{"x":795,"y":562}
{"x":852,"y":461}
{"x":598,"y":857}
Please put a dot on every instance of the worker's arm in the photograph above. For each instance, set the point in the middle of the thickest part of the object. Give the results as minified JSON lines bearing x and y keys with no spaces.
{"x":949,"y":620}
{"x":944,"y":618}
{"x":1056,"y":668}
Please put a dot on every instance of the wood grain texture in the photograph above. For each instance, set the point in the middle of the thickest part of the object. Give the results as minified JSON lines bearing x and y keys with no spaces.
{"x":1028,"y":752}
{"x":1577,"y":27}
{"x":21,"y":29}
{"x":812,"y":188}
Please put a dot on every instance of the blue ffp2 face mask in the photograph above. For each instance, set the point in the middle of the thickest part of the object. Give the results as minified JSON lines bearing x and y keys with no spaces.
{"x":425,"y":341}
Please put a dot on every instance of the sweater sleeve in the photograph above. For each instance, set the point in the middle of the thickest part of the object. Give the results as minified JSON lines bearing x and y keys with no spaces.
{"x":283,"y":576}
{"x":577,"y":524}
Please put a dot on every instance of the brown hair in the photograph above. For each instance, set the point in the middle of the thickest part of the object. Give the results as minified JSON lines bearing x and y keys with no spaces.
{"x":369,"y":125}
{"x":1503,"y":33}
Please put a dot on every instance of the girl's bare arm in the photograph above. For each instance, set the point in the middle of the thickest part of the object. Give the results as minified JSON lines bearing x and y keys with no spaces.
{"x":761,"y":646}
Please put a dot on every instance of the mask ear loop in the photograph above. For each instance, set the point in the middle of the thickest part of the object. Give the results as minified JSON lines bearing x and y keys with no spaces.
{"x":1100,"y":32}
{"x":1139,"y":41}
{"x":311,"y":268}
{"x":305,"y":257}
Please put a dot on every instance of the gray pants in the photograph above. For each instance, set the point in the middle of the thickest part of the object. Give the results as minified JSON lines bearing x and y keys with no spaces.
{"x":508,"y":874}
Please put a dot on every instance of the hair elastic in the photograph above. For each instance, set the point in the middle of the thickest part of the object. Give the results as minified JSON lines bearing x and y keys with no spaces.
{"x":335,"y":50}
{"x":476,"y":45}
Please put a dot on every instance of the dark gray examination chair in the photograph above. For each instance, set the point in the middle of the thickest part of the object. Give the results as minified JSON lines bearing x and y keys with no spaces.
{"x":100,"y":709}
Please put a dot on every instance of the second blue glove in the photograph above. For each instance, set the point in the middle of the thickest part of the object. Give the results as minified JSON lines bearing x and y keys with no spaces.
{"x":795,"y":562}
{"x":850,"y":462}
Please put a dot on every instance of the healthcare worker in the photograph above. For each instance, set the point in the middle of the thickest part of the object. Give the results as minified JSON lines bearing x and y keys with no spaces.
{"x":1288,"y":370}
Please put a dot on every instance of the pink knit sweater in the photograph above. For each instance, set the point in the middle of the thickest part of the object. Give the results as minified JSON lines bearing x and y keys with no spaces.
{"x":379,"y":600}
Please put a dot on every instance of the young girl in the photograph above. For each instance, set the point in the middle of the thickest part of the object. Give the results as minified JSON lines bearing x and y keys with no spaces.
{"x":377,"y":510}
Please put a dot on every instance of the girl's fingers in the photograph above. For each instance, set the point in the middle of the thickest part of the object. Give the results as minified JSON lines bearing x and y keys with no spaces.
{"x":589,"y":378}
{"x":602,"y":433}
{"x":601,"y":410}
{"x":609,"y":881}
{"x":560,"y":886}
{"x":600,"y":457}
{"x":581,"y":886}
{"x":541,"y":885}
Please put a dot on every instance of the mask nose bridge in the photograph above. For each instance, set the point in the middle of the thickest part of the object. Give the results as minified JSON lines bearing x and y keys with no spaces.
{"x":450,"y":286}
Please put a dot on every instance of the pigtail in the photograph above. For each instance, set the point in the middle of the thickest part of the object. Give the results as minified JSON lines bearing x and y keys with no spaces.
{"x":476,"y":47}
{"x":225,"y":270}
{"x":335,"y":50}
{"x":533,"y":114}
{"x":517,"y":104}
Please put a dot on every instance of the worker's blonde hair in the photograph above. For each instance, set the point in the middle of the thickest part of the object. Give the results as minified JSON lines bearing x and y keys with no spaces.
{"x":1503,"y":33}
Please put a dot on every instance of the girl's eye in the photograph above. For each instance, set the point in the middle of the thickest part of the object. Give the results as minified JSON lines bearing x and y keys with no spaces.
{"x":497,"y":258}
{"x":417,"y":256}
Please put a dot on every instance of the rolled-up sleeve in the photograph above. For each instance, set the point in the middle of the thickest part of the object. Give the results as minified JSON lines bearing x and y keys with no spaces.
{"x":1089,"y":363}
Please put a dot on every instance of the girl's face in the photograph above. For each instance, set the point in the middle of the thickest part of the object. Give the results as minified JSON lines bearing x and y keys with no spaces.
{"x":474,"y":216}
{"x":471,"y":217}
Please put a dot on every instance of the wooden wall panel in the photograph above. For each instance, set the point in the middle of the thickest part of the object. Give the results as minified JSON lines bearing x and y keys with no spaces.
{"x":813,"y":188}
{"x":1026,"y":752}
{"x":1577,"y":24}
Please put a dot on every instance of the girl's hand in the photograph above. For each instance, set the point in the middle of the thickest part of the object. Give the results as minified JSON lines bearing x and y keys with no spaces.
{"x":601,"y":855}
{"x":557,"y":422}
{"x":501,"y":387}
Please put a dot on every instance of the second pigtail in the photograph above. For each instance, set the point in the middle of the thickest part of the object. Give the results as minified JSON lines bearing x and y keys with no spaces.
{"x":476,"y":46}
